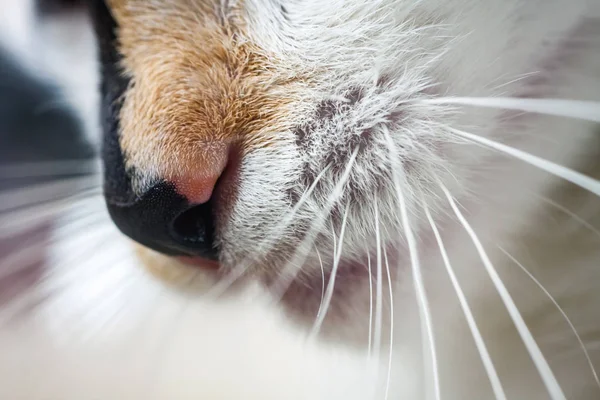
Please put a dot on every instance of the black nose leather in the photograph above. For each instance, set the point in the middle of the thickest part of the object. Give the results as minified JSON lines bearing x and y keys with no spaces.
{"x":165,"y":221}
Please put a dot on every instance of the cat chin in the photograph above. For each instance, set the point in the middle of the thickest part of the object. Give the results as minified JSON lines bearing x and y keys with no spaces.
{"x":178,"y":273}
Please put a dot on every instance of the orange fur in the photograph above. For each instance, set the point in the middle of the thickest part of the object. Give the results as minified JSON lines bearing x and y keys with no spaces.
{"x":172,"y":272}
{"x":197,"y":84}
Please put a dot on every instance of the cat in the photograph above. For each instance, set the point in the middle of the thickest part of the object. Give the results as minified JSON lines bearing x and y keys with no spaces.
{"x":394,"y":199}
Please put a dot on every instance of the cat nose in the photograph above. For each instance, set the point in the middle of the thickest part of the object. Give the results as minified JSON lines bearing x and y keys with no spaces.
{"x":166,"y":221}
{"x":174,"y":216}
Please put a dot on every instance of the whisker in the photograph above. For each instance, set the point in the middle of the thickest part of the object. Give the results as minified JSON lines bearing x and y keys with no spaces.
{"x":462,"y":299}
{"x":378,"y":289}
{"x":322,"y":281}
{"x":331,"y":283}
{"x":292,"y":268}
{"x":424,"y":311}
{"x":584,"y":110}
{"x":370,"y":306}
{"x":391,"y":357}
{"x":571,"y":214}
{"x":265,"y":244}
{"x":562,"y":312}
{"x":538,"y":358}
{"x":570,"y":175}
{"x":335,"y":246}
{"x":514,"y":80}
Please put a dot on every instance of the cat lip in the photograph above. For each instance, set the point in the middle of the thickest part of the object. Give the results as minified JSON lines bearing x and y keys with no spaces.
{"x":201,"y":262}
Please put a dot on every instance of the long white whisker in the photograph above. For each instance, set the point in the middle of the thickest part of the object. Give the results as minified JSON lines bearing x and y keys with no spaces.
{"x":291,"y":269}
{"x":378,"y":293}
{"x":538,"y":358}
{"x":562,"y":312}
{"x":265,"y":244}
{"x":391,"y":356}
{"x":290,"y":216}
{"x":570,"y":175}
{"x":322,"y":281}
{"x":331,"y":283}
{"x":571,"y":214}
{"x":424,"y":311}
{"x":335,"y":246}
{"x":585,"y":110}
{"x":479,"y":343}
{"x":370,"y":306}
{"x":517,"y":79}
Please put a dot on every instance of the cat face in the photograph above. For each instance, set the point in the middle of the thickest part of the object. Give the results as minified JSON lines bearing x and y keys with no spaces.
{"x":298,"y":142}
{"x":256,"y":134}
{"x":416,"y":180}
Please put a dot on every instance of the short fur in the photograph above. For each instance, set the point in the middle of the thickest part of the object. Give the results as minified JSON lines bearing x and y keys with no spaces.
{"x":339,"y":93}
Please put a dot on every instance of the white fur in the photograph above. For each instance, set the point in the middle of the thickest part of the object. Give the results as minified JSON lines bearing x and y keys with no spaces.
{"x":113,"y":332}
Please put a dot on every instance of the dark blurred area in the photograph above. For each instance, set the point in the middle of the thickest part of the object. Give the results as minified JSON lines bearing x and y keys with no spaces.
{"x":46,"y":7}
{"x":46,"y":62}
{"x":37,"y":125}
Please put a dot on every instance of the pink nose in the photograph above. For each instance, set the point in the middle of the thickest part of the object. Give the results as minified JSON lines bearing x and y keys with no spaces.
{"x":176,"y":216}
{"x":198,"y":181}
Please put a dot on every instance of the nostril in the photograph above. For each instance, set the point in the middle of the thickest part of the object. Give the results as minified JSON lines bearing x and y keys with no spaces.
{"x":164,"y":220}
{"x":174,"y":216}
{"x":194,"y":226}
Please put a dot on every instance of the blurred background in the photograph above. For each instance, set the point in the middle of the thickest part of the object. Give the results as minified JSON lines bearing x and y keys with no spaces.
{"x":48,"y":128}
